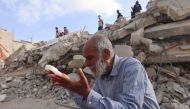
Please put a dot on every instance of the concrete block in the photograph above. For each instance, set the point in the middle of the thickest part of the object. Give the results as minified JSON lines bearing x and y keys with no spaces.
{"x":168,"y":30}
{"x":136,"y":37}
{"x":77,"y":62}
{"x":123,"y":50}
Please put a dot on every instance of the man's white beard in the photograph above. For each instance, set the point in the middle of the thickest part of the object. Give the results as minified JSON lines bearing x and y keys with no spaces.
{"x":100,"y":67}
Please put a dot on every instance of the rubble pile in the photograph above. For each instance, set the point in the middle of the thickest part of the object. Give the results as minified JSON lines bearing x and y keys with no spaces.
{"x":29,"y":84}
{"x":159,"y":38}
{"x":57,"y":52}
{"x":172,"y":85}
{"x":24,"y":74}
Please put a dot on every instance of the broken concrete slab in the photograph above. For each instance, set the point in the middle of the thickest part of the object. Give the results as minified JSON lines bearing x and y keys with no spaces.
{"x":147,"y":42}
{"x":77,"y":62}
{"x":9,"y":79}
{"x":171,"y":8}
{"x":3,"y":97}
{"x":123,"y":50}
{"x":131,"y":27}
{"x":168,"y":30}
{"x":62,"y":47}
{"x":145,"y":21}
{"x":166,"y":58}
{"x":154,"y":48}
{"x":120,"y":33}
{"x":113,"y":27}
{"x":4,"y":86}
{"x":137,"y":36}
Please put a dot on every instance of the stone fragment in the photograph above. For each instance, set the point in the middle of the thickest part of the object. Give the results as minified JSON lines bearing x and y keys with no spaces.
{"x":151,"y":73}
{"x":77,"y":62}
{"x":137,"y":36}
{"x":9,"y":79}
{"x":4,"y":86}
{"x":141,"y":56}
{"x":3,"y":97}
{"x":168,"y":30}
{"x":123,"y":51}
{"x":153,"y":48}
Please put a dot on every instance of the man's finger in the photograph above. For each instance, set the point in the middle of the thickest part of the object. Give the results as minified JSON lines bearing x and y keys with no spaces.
{"x":81,"y":75}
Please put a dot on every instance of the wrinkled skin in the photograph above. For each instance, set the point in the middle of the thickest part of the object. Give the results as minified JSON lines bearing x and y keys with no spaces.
{"x":81,"y":86}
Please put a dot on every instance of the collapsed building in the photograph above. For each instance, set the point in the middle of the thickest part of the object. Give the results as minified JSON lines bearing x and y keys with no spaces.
{"x":159,"y":38}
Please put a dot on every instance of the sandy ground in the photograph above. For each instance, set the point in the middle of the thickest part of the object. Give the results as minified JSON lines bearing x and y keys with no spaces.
{"x":29,"y":103}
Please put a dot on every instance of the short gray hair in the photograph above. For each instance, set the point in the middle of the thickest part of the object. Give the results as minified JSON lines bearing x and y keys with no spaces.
{"x":102,"y":42}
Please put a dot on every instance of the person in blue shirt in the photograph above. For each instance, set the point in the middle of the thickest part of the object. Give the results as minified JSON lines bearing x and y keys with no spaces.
{"x":121,"y":82}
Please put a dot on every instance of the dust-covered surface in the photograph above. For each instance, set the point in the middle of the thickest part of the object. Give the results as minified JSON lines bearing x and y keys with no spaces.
{"x":31,"y":103}
{"x":159,"y":38}
{"x":28,"y":90}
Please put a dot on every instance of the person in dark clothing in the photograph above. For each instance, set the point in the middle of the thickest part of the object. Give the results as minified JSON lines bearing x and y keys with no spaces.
{"x":66,"y":31}
{"x":119,"y":16}
{"x":137,"y":7}
{"x":132,"y":13}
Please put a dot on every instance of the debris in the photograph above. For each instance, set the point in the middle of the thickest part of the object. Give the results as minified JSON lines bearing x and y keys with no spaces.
{"x":123,"y":50}
{"x":152,"y":37}
{"x":3,"y":97}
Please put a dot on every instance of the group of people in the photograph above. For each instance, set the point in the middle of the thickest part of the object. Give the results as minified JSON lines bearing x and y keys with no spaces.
{"x":135,"y":9}
{"x":59,"y":33}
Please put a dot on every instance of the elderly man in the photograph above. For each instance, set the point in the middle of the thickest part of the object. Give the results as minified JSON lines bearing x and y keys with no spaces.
{"x":121,"y":83}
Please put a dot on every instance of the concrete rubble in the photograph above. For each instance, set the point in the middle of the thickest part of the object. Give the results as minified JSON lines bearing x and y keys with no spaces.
{"x":159,"y":38}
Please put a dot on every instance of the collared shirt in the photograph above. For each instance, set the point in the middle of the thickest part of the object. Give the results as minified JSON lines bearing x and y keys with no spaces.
{"x":126,"y":87}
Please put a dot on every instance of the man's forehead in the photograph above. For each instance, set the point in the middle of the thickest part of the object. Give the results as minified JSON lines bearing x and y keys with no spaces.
{"x":89,"y":46}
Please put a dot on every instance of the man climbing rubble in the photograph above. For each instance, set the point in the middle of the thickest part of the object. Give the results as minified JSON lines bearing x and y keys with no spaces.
{"x":119,"y":16}
{"x":121,"y":83}
{"x":137,"y":8}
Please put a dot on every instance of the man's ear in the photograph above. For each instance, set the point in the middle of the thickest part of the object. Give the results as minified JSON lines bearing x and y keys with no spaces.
{"x":106,"y":54}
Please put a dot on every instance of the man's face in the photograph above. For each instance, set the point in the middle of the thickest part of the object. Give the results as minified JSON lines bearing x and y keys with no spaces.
{"x":94,"y":59}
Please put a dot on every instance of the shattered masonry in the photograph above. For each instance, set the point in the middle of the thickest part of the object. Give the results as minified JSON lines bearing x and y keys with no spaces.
{"x":159,"y":38}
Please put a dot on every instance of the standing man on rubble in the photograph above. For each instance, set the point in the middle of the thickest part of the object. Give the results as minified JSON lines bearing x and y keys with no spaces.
{"x":66,"y":31}
{"x":137,"y":8}
{"x":121,"y":83}
{"x":58,"y":32}
{"x":100,"y":23}
{"x":119,"y":16}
